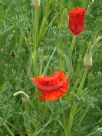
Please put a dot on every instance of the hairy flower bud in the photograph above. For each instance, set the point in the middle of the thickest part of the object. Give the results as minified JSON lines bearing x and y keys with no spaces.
{"x":88,"y":58}
{"x":25,"y":97}
{"x":36,"y":3}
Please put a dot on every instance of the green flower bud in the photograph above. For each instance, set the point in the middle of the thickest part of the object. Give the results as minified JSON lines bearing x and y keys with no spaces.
{"x":90,"y":51}
{"x":88,"y":58}
{"x":36,"y":3}
{"x":25,"y":97}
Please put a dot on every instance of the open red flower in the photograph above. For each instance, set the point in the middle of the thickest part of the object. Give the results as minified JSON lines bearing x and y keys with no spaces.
{"x":76,"y":20}
{"x":53,"y":86}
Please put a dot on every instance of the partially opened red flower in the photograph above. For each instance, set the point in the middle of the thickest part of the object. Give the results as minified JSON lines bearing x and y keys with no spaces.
{"x":76,"y":20}
{"x":53,"y":86}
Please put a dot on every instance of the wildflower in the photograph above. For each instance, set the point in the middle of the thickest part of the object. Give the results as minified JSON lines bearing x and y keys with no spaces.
{"x":76,"y":20}
{"x":53,"y":86}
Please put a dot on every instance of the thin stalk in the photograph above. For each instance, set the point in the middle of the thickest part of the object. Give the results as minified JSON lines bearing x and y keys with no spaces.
{"x":25,"y":101}
{"x":83,"y":79}
{"x":29,"y":130}
{"x":64,"y":124}
{"x":21,"y":38}
{"x":83,"y":116}
{"x":71,"y":117}
{"x":34,"y":61}
{"x":42,"y":128}
{"x":72,"y":46}
{"x":7,"y":31}
{"x":70,"y":52}
{"x":35,"y":39}
{"x":7,"y":128}
{"x":49,"y":60}
{"x":75,"y":105}
{"x":35,"y":27}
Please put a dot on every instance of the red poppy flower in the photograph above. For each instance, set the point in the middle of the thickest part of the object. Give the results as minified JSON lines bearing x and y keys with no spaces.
{"x":76,"y":20}
{"x":52,"y":86}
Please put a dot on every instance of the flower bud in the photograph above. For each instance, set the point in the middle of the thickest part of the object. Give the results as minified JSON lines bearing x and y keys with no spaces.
{"x":90,"y":51}
{"x":25,"y":97}
{"x":36,"y":3}
{"x":88,"y":58}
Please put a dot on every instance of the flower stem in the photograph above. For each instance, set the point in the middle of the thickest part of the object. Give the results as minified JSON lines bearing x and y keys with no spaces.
{"x":25,"y":101}
{"x":83,"y":80}
{"x":26,"y":120}
{"x":35,"y":27}
{"x":71,"y":117}
{"x":75,"y":105}
{"x":72,"y":46}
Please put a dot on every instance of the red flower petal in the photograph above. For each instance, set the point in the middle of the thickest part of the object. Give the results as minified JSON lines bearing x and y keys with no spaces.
{"x":52,"y":86}
{"x":76,"y":20}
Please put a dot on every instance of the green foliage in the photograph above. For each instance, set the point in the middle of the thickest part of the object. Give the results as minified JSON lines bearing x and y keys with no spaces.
{"x":28,"y":38}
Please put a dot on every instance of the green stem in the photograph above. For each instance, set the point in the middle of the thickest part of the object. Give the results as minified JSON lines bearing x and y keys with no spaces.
{"x":34,"y":61}
{"x":7,"y":127}
{"x":83,"y":79}
{"x":75,"y":105}
{"x":49,"y":60}
{"x":71,"y":117}
{"x":35,"y":27}
{"x":35,"y":40}
{"x":28,"y":128}
{"x":64,"y":124}
{"x":72,"y":46}
{"x":83,"y":116}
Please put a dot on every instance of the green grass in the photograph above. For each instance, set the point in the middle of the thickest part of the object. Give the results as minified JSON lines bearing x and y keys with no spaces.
{"x":35,"y":41}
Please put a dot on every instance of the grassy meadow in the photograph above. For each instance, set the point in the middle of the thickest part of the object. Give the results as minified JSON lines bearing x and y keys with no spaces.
{"x":35,"y":40}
